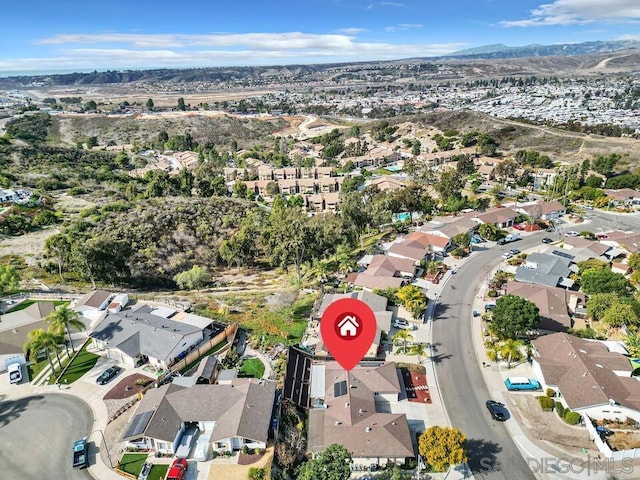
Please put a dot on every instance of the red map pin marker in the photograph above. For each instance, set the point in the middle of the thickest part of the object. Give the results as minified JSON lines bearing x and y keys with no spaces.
{"x":348,"y":328}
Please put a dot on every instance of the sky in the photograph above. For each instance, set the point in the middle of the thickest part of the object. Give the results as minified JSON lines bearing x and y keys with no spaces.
{"x":39,"y":36}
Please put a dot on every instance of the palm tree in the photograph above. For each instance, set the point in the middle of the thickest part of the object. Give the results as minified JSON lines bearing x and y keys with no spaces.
{"x":62,"y":320}
{"x":413,"y":300}
{"x":492,"y":351}
{"x":420,"y":349}
{"x":512,"y":351}
{"x":402,"y":336}
{"x":35,"y":345}
{"x":51,"y":343}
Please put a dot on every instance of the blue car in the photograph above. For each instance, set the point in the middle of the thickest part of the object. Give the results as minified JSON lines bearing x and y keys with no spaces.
{"x":521,"y":383}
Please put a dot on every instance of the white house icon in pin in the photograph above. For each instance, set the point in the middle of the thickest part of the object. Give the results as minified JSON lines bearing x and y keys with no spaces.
{"x":348,"y":326}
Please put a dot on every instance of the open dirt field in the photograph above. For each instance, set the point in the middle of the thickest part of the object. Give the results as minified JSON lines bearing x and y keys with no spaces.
{"x":27,"y":245}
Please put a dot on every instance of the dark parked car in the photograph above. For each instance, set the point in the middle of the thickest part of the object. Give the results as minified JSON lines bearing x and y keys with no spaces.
{"x":546,"y":240}
{"x":80,"y":454}
{"x":496,"y":409}
{"x":502,"y":241}
{"x":107,"y":375}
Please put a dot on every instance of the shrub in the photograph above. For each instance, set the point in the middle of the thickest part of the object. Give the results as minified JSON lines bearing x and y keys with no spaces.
{"x":245,"y":449}
{"x":492,"y":293}
{"x":551,"y":392}
{"x":546,"y":403}
{"x":560,"y":409}
{"x":257,"y":451}
{"x":572,"y":418}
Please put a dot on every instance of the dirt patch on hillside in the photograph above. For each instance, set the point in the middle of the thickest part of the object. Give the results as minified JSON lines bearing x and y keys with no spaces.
{"x":28,"y":245}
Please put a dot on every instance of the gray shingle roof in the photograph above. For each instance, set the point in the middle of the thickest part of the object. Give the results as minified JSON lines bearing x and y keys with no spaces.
{"x":241,"y":409}
{"x":149,"y":334}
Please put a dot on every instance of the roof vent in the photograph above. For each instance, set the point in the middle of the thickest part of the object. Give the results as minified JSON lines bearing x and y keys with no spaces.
{"x":338,"y":423}
{"x":585,"y":374}
{"x":346,"y":404}
{"x":368,"y":429}
{"x":361,"y":410}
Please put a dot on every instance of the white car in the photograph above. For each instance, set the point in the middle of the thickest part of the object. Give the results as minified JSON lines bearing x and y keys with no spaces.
{"x":402,"y":324}
{"x":507,"y":255}
{"x":571,"y":234}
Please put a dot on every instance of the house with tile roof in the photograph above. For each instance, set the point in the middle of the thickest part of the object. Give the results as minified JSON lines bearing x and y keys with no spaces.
{"x":500,"y":217}
{"x":15,"y":327}
{"x":344,"y":410}
{"x":543,"y":210}
{"x":552,"y":303}
{"x":589,"y":378}
{"x":227,"y":416}
{"x":545,"y":269}
{"x":384,"y":272}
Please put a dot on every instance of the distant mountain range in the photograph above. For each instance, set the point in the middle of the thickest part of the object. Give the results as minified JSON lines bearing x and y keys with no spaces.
{"x":500,"y":50}
{"x":263,"y":74}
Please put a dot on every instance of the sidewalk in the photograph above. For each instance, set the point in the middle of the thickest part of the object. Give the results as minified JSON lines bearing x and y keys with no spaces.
{"x":555,"y":468}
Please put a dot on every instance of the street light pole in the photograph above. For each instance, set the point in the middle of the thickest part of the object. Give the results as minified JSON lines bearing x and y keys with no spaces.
{"x":105,"y":447}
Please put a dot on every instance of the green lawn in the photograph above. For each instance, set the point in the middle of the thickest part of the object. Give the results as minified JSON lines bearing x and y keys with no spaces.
{"x":158,"y":472}
{"x":251,"y":367}
{"x":28,"y":303}
{"x":84,"y":362}
{"x":132,"y":463}
{"x":36,"y":368}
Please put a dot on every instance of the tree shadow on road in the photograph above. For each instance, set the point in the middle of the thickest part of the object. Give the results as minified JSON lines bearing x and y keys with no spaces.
{"x":483,"y":456}
{"x":12,"y":409}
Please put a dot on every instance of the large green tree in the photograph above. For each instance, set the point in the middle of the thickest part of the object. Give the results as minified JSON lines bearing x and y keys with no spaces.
{"x":331,"y":464}
{"x":596,"y":280}
{"x":513,"y":317}
{"x":9,"y":279}
{"x":192,"y":279}
{"x":450,"y":184}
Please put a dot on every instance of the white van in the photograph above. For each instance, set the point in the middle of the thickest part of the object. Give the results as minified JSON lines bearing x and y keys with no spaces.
{"x":15,"y":372}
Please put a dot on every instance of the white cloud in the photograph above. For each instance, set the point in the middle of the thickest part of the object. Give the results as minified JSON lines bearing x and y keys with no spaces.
{"x":569,"y":12}
{"x":351,"y":30}
{"x":118,"y":50}
{"x":384,"y":4}
{"x":403,"y":26}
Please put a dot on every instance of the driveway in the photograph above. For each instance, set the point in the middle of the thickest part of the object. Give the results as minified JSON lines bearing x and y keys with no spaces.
{"x":37,"y":434}
{"x":492,"y":452}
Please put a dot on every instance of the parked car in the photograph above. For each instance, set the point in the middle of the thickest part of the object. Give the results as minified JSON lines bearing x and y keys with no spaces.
{"x":546,"y":240}
{"x":571,"y":233}
{"x":514,"y":251}
{"x":80,"y":453}
{"x":15,"y":372}
{"x":108,"y":375}
{"x":521,"y":383}
{"x":507,"y":255}
{"x":497,"y":410}
{"x":588,"y":207}
{"x":518,"y":227}
{"x":402,"y":324}
{"x":501,"y":241}
{"x":146,"y":470}
{"x":550,"y":229}
{"x":178,"y":469}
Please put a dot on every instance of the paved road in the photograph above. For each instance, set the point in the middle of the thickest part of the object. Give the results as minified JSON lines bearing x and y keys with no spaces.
{"x":492,"y":452}
{"x":37,"y":434}
{"x":610,"y":221}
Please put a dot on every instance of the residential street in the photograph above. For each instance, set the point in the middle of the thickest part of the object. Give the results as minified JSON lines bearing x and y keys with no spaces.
{"x":492,"y":452}
{"x":37,"y":434}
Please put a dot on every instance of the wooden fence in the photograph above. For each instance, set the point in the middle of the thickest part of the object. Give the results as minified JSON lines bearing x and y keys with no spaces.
{"x":228,"y":334}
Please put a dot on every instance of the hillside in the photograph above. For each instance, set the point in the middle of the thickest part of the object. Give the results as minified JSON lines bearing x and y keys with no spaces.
{"x":513,"y":136}
{"x":217,"y":130}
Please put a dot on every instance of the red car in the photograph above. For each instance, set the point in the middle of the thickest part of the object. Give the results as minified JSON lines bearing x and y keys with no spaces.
{"x":178,"y":469}
{"x":518,"y":227}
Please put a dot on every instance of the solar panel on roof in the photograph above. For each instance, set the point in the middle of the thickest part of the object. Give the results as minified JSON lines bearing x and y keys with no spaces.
{"x":563,"y":254}
{"x":340,"y":388}
{"x":138,"y":424}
